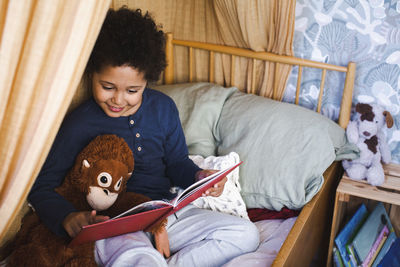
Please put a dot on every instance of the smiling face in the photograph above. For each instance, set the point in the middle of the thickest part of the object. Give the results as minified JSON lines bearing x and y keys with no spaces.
{"x":118,"y":90}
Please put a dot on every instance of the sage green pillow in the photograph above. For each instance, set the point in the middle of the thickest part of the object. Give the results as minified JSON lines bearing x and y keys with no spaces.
{"x":285,"y":149}
{"x":199,"y":106}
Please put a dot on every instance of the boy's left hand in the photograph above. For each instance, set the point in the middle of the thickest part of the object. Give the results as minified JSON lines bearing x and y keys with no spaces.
{"x":217,"y":189}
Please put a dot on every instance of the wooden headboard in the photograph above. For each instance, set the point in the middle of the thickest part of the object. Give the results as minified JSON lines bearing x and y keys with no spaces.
{"x":349,"y":70}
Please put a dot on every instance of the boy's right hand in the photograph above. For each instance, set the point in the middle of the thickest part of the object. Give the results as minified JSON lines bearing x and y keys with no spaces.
{"x":75,"y":220}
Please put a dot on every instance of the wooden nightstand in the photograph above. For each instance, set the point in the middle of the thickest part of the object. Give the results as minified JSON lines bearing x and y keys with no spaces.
{"x":350,"y":194}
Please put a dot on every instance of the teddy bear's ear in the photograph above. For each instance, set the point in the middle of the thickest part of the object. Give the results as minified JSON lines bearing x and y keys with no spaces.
{"x":389,"y":119}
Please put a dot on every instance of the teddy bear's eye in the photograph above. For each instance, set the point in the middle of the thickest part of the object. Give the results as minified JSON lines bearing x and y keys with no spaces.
{"x":117,"y":186}
{"x":104,"y":179}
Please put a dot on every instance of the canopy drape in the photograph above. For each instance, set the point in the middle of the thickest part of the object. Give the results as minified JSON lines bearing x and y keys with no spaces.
{"x":44,"y":47}
{"x":45,"y":44}
{"x":260,"y":25}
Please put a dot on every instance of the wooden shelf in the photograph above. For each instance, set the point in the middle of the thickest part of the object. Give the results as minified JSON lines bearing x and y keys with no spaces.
{"x":350,"y":193}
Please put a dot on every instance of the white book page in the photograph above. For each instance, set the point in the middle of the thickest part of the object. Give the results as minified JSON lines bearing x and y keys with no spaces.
{"x":194,"y":187}
{"x":146,"y":206}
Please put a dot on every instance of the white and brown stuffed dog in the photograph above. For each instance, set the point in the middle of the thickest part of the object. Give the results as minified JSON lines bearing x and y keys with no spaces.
{"x":366,"y":132}
{"x":96,"y":181}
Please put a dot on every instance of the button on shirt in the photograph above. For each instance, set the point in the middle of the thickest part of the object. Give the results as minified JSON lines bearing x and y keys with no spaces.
{"x":153,"y":133}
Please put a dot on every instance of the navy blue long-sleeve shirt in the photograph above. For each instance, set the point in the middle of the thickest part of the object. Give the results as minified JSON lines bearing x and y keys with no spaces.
{"x":154,"y":134}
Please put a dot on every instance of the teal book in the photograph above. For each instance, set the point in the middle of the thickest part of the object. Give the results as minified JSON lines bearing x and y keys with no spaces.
{"x":348,"y":232}
{"x":369,"y":232}
{"x":389,"y":242}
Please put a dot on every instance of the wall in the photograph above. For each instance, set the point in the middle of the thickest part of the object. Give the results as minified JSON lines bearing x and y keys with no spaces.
{"x":364,"y":31}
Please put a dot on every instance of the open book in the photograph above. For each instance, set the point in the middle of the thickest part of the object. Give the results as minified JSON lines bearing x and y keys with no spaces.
{"x":143,"y":216}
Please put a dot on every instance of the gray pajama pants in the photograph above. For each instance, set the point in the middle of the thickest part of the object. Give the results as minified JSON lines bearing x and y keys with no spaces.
{"x":197,"y":237}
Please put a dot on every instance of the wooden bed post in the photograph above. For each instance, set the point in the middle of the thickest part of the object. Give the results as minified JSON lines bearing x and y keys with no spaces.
{"x":169,"y":56}
{"x":347,"y":97}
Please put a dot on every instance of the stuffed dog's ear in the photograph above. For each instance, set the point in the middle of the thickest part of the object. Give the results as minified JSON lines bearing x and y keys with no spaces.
{"x":389,"y":119}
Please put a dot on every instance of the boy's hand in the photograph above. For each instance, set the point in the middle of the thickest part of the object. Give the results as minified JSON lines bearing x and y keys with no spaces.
{"x":75,"y":220}
{"x":215,"y":191}
{"x":203,"y":174}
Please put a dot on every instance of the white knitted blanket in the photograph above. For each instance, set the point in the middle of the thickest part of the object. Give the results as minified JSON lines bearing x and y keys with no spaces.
{"x":230,"y":201}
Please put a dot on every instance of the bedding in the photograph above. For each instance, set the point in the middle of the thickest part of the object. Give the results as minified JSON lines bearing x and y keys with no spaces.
{"x":230,"y":201}
{"x":293,"y":144}
{"x":285,"y":148}
{"x":272,"y":235}
{"x":199,"y":106}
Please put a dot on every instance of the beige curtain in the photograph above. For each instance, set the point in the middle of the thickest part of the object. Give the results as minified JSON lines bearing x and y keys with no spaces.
{"x":44,"y":46}
{"x":260,"y":25}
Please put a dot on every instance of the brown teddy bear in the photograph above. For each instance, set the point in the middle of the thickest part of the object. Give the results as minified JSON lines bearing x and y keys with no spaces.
{"x":96,"y":181}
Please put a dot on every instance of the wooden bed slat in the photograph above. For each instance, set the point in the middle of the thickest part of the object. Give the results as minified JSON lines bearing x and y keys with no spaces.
{"x":169,"y":57}
{"x":190,"y":64}
{"x":275,"y":89}
{"x":233,"y":58}
{"x":298,"y":85}
{"x":321,"y":90}
{"x":211,"y":68}
{"x":347,"y":97}
{"x":253,"y":77}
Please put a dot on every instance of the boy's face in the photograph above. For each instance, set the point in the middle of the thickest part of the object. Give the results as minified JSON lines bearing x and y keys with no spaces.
{"x":118,"y":90}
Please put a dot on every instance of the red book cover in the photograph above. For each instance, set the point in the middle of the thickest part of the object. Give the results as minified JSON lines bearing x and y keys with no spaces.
{"x":142,"y":216}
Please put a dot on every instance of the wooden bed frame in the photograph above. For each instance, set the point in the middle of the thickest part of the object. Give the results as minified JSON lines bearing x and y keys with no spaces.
{"x":308,"y":239}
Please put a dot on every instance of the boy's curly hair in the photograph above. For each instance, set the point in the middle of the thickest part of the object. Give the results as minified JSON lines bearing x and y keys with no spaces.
{"x":129,"y":38}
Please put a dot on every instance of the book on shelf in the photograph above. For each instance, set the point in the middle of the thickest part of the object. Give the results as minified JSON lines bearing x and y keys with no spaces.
{"x":365,"y":238}
{"x":376,"y":253}
{"x":354,"y":260}
{"x":385,"y":248}
{"x":337,"y":259}
{"x":392,"y":257}
{"x":145,"y":215}
{"x":380,"y":240}
{"x":348,"y":232}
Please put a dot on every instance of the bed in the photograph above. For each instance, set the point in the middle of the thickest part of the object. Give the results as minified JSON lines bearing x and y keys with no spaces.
{"x":304,"y":239}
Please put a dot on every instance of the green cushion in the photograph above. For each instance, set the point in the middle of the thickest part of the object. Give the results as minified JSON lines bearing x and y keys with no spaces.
{"x":285,"y":149}
{"x":199,"y":106}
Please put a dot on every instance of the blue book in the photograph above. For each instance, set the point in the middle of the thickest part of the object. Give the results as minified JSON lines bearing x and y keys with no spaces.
{"x":369,"y":231}
{"x":348,"y":232}
{"x":354,"y":260}
{"x":337,"y":260}
{"x":392,"y":257}
{"x":389,"y":241}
